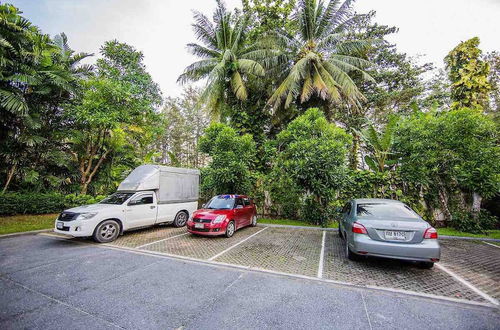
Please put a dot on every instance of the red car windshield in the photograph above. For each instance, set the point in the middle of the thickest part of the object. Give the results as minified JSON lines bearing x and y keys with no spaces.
{"x":220,"y":203}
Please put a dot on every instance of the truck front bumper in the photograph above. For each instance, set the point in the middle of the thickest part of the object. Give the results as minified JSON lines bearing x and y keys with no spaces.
{"x":74,"y":228}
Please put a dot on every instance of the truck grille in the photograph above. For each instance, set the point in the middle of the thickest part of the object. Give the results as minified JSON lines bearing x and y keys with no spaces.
{"x":67,"y":216}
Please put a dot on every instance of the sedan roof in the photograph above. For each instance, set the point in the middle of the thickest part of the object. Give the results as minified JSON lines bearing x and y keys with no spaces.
{"x":375,"y":200}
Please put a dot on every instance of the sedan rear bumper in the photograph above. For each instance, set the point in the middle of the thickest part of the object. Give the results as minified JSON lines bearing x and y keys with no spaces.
{"x":427,"y":250}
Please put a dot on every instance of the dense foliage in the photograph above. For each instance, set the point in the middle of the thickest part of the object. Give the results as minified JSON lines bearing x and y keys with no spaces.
{"x":306,"y":104}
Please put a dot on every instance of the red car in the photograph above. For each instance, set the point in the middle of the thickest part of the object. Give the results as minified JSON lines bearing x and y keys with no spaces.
{"x":223,"y":215}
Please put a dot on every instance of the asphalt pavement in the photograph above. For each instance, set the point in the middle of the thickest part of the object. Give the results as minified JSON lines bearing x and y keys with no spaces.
{"x":49,"y":283}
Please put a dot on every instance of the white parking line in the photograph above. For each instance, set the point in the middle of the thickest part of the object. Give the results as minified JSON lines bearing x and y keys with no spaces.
{"x":491,"y":244}
{"x":235,"y":245}
{"x":165,"y":239}
{"x":467,"y":284}
{"x":321,"y":256}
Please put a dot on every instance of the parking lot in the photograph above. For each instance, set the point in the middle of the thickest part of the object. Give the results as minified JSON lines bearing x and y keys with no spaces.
{"x":468,"y":271}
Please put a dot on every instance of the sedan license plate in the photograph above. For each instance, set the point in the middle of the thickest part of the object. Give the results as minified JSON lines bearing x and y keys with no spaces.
{"x":199,"y":225}
{"x":395,"y":235}
{"x":60,"y":225}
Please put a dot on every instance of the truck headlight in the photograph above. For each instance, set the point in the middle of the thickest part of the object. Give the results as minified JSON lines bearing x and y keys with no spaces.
{"x":219,"y":219}
{"x":85,"y":216}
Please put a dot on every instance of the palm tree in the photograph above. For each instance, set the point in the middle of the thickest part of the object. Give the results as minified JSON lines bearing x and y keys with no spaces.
{"x":317,"y":60}
{"x":225,"y":62}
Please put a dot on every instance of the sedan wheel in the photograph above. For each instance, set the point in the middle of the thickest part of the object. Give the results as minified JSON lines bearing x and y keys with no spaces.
{"x":230,"y":229}
{"x":348,"y":253}
{"x":107,"y":231}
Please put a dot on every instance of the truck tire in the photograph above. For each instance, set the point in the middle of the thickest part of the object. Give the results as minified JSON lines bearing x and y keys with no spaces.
{"x":180,"y":219}
{"x":107,"y":231}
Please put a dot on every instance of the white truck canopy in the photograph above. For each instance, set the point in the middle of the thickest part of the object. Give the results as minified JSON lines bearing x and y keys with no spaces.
{"x":173,"y":184}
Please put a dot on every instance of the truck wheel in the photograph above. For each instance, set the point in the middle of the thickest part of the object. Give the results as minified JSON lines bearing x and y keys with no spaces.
{"x":230,"y":229}
{"x":107,"y":231}
{"x":180,"y":219}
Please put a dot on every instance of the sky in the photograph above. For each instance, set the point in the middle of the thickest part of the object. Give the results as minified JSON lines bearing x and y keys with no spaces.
{"x":162,"y":28}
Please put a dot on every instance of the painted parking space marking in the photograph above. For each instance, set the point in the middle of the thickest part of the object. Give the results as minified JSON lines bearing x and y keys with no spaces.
{"x":497,"y":246}
{"x":200,"y":247}
{"x":322,"y":256}
{"x":467,"y":284}
{"x":161,"y":240}
{"x":235,"y":245}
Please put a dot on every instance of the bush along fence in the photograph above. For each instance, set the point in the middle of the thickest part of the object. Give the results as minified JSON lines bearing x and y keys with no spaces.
{"x":42,"y":203}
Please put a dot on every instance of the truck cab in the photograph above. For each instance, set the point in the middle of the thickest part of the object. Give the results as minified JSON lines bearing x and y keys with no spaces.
{"x":131,"y":207}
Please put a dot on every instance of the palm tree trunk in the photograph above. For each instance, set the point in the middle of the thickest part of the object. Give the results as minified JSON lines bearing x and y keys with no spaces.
{"x":10,"y":175}
{"x":353,"y":156}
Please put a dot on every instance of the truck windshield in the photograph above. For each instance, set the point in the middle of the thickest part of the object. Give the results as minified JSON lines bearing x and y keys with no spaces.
{"x":116,"y":198}
{"x":221,"y":203}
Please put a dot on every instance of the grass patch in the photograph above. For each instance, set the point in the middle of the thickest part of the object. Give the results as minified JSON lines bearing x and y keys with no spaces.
{"x":20,"y":223}
{"x":290,"y":222}
{"x":453,"y":232}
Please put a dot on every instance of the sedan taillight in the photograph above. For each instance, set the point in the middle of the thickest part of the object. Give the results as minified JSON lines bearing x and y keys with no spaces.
{"x":358,"y":228}
{"x":431,"y":233}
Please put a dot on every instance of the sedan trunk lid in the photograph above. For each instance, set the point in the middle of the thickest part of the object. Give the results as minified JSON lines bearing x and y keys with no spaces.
{"x":402,"y":230}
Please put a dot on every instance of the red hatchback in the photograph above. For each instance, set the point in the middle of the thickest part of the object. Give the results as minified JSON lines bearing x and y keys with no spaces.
{"x":223,"y":215}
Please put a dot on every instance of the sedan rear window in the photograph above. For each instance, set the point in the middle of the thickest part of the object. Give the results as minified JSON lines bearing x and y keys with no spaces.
{"x":384,"y":210}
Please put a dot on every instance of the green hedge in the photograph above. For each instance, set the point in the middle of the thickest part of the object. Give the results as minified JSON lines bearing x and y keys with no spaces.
{"x":42,"y":203}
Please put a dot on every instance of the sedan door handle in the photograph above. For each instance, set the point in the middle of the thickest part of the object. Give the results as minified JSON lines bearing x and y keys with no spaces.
{"x":152,"y":207}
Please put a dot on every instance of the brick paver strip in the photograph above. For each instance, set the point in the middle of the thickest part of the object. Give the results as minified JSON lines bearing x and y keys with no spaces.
{"x":390,"y":273}
{"x":474,"y":261}
{"x":200,"y":247}
{"x":144,"y":236}
{"x":279,"y":249}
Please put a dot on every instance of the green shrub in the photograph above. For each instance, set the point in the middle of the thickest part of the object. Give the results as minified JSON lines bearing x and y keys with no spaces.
{"x":464,"y":221}
{"x":42,"y":203}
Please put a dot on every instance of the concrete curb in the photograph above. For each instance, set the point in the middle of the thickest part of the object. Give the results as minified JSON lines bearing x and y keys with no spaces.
{"x":336,"y":229}
{"x":22,"y":233}
{"x":471,"y":238}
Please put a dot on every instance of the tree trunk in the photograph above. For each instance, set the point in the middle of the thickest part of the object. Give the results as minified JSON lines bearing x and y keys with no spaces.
{"x":10,"y":175}
{"x":353,"y":157}
{"x":476,"y":204}
{"x":85,"y":186}
{"x":443,"y":200}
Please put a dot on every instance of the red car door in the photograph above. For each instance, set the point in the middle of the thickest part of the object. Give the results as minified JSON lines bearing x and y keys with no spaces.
{"x":249,"y":211}
{"x":239,"y":213}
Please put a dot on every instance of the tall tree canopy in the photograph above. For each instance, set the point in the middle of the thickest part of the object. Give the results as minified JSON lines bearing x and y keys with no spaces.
{"x":225,"y":62}
{"x":468,"y":75}
{"x":318,"y":59}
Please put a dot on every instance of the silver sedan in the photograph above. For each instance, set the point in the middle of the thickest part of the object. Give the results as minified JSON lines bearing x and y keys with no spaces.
{"x":389,"y":229}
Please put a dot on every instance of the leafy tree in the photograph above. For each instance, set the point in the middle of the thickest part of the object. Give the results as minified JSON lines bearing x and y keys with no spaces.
{"x":225,"y":62}
{"x":450,"y":155}
{"x":268,"y":16}
{"x":232,"y":155}
{"x":311,"y":155}
{"x":318,"y":59}
{"x":468,"y":75}
{"x":493,"y":60}
{"x":185,"y":122}
{"x":116,"y":112}
{"x":37,"y":76}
